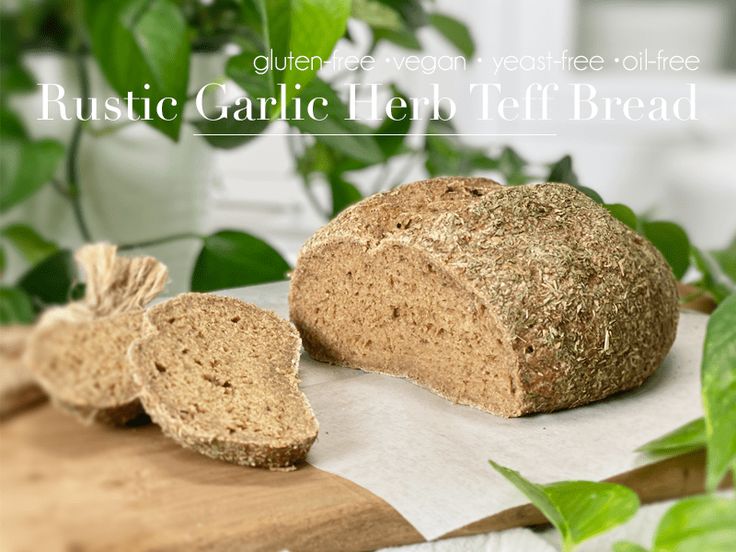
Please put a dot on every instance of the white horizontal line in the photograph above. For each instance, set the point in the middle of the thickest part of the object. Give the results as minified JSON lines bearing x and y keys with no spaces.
{"x":378,"y":134}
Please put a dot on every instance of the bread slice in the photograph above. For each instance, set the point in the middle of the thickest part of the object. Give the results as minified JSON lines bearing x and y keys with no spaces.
{"x":78,"y":352}
{"x":18,"y":390}
{"x":220,"y":377}
{"x":512,"y":299}
{"x":84,"y":366}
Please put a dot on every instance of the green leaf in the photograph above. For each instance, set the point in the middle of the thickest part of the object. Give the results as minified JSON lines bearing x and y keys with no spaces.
{"x":139,"y":42}
{"x":455,"y":31}
{"x":412,"y":12}
{"x":712,"y":279}
{"x":403,"y":38}
{"x":344,"y":194}
{"x":395,"y":131}
{"x":50,"y":281}
{"x":624,"y":214}
{"x":344,"y":135}
{"x":377,"y":14}
{"x":230,"y":258}
{"x":15,"y":306}
{"x":718,"y":382}
{"x":578,"y":509}
{"x":230,"y":129}
{"x":25,"y":165}
{"x":240,"y":68}
{"x":686,"y":438}
{"x":3,"y":261}
{"x":28,"y":242}
{"x":308,"y":28}
{"x":449,"y":156}
{"x":626,"y":546}
{"x":513,"y":167}
{"x":672,"y":242}
{"x":562,"y":171}
{"x":726,"y":259}
{"x":698,"y":524}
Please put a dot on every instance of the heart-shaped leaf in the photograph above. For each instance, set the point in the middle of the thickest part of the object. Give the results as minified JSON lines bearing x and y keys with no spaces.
{"x":231,"y":258}
{"x":50,"y":281}
{"x":578,"y":509}
{"x":718,"y":375}
{"x":139,"y":43}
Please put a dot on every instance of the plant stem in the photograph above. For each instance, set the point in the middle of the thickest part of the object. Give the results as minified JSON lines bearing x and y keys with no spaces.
{"x":159,"y":241}
{"x":72,"y":160}
{"x":306,"y":182}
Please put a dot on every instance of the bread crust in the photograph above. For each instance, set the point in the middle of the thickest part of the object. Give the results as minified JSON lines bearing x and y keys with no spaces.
{"x":588,"y":307}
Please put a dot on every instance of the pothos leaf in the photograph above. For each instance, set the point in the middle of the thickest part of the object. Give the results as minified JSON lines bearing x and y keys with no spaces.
{"x":578,"y":509}
{"x":718,"y":382}
{"x":698,"y":523}
{"x":672,"y":242}
{"x":231,"y":258}
{"x":686,"y":438}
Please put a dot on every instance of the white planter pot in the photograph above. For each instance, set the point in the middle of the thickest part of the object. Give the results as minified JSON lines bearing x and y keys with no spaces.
{"x":136,"y":184}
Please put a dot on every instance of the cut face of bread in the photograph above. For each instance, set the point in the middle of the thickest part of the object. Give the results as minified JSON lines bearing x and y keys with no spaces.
{"x":18,"y":389}
{"x":220,"y":377}
{"x":84,"y":366}
{"x":511,"y":299}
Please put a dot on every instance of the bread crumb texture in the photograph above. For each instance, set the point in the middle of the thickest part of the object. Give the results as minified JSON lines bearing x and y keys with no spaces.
{"x":219,"y":376}
{"x":78,"y":353}
{"x":512,"y":299}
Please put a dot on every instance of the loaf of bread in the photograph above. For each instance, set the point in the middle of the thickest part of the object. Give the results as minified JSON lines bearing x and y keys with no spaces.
{"x":18,"y":390}
{"x":512,"y":299}
{"x":220,"y":376}
{"x":78,"y":353}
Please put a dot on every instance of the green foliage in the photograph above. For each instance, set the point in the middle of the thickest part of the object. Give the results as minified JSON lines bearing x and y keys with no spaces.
{"x":455,"y":32}
{"x":300,"y":27}
{"x":29,"y":243}
{"x":684,"y":439}
{"x":15,"y":306}
{"x":578,"y":509}
{"x":624,"y":214}
{"x":230,"y":258}
{"x":25,"y":164}
{"x":50,"y":281}
{"x":344,"y":194}
{"x":448,"y":155}
{"x":699,"y":523}
{"x":672,"y":242}
{"x":139,"y":43}
{"x":718,"y":374}
{"x":563,"y":172}
{"x":233,"y":129}
{"x":695,"y":524}
{"x":344,"y":136}
{"x":713,"y":279}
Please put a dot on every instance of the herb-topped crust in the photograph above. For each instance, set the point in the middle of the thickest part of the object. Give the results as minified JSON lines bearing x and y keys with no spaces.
{"x":512,"y":299}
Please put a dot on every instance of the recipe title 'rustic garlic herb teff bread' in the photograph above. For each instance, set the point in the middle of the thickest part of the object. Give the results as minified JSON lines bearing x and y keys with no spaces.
{"x":78,"y":353}
{"x":220,"y":377}
{"x":512,"y":299}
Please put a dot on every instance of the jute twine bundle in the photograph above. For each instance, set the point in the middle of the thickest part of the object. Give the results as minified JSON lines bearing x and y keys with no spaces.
{"x":114,"y":285}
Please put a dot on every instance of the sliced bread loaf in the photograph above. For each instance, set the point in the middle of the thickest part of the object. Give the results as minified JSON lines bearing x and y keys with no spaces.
{"x":78,"y":353}
{"x":513,"y":299}
{"x":18,"y":390}
{"x":220,"y":377}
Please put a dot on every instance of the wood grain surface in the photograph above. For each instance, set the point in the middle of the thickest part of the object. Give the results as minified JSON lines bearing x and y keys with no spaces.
{"x":66,"y":487}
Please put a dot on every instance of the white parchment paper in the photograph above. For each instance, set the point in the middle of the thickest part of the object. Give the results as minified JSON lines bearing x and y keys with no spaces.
{"x":428,"y":458}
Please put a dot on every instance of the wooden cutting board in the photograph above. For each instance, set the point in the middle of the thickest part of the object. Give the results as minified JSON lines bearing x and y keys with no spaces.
{"x":73,"y":488}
